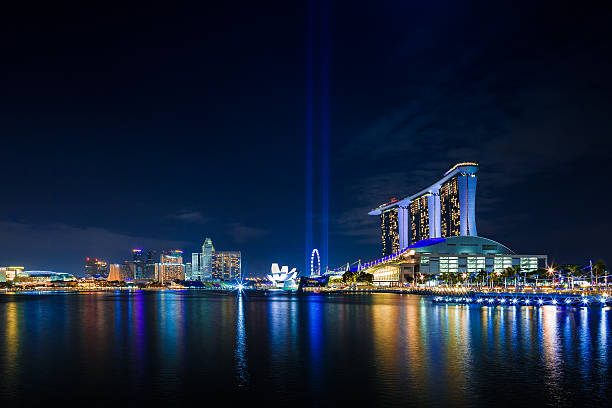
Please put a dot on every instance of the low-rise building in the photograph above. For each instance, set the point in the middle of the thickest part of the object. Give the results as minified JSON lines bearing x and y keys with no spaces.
{"x":459,"y":254}
{"x":43,"y":277}
{"x":8,"y":273}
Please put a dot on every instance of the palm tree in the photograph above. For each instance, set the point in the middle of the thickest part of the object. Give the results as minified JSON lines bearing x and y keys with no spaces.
{"x":599,"y":268}
{"x":481,"y":274}
{"x":508,"y":272}
{"x":445,"y":277}
{"x":574,"y":270}
{"x":494,"y":277}
{"x":516,"y":271}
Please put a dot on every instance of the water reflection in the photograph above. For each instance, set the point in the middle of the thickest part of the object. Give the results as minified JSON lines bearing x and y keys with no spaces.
{"x":11,"y":337}
{"x":551,"y":351}
{"x":240,"y":353}
{"x":380,"y":349}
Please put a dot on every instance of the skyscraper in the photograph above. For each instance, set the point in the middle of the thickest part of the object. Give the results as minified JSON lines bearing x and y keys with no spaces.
{"x":170,"y":267}
{"x":139,"y":264}
{"x":150,"y":263}
{"x":390,"y":231}
{"x":208,"y":253}
{"x":94,"y":266}
{"x":201,"y":262}
{"x":419,"y":218}
{"x":227,"y":265}
{"x":188,"y":271}
{"x":196,"y":266}
{"x":444,"y":209}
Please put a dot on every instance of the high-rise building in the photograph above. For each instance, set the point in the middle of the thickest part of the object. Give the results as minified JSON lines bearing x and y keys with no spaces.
{"x":419,"y":218}
{"x":121,"y":272}
{"x":208,"y":253}
{"x":170,"y":267}
{"x":390,"y":231}
{"x":444,"y":209}
{"x":226,"y":265}
{"x":196,"y":266}
{"x":95,"y":267}
{"x":450,"y":212}
{"x":139,"y":264}
{"x":201,"y":262}
{"x":150,"y":265}
{"x":188,"y":271}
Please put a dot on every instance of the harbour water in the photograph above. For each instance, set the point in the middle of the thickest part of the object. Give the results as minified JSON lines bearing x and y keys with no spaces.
{"x":175,"y":347}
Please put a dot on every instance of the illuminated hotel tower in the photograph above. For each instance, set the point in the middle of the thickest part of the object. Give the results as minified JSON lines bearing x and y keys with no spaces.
{"x":444,"y":209}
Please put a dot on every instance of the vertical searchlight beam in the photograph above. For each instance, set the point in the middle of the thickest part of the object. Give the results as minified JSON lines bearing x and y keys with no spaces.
{"x":325,"y":125}
{"x":309,"y":133}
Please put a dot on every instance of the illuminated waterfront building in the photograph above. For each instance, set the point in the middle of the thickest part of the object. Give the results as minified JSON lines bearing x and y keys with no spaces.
{"x":458,"y":254}
{"x":201,"y":262}
{"x":43,"y":276}
{"x":226,"y":265}
{"x":170,"y":267}
{"x":390,"y":231}
{"x":188,"y":271}
{"x":94,"y":267}
{"x":121,"y":272}
{"x":444,"y":209}
{"x":196,"y":265}
{"x":282,"y":278}
{"x":8,"y":273}
{"x":208,"y":253}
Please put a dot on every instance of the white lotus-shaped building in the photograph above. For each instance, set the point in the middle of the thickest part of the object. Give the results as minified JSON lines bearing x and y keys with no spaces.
{"x":282,"y":278}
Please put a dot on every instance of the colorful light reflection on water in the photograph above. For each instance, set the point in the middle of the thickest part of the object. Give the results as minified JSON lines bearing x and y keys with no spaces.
{"x":373,"y":349}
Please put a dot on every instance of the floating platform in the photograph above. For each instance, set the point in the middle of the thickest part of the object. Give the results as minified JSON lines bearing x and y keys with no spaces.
{"x":524,"y":299}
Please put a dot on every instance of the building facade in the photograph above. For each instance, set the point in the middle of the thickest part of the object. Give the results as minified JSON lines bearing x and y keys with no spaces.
{"x":150,"y":262}
{"x":121,"y":272}
{"x":226,"y":265}
{"x":170,"y":267}
{"x":201,"y":262}
{"x":455,"y":255}
{"x":208,"y":253}
{"x":8,"y":273}
{"x":95,"y":267}
{"x":43,"y":277}
{"x":196,"y":266}
{"x":139,"y":264}
{"x":188,"y":271}
{"x":444,"y":209}
{"x":390,"y":231}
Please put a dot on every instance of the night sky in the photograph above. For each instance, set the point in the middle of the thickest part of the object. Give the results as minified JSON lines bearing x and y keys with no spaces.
{"x":159,"y":125}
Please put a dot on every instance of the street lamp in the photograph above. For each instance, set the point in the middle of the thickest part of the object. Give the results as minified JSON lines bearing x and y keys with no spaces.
{"x":551,"y":271}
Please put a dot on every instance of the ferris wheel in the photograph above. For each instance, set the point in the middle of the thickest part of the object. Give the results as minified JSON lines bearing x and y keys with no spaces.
{"x":315,"y":268}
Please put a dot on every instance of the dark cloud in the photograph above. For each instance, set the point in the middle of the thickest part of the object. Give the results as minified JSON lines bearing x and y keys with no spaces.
{"x":188,"y":216}
{"x":241,"y":233}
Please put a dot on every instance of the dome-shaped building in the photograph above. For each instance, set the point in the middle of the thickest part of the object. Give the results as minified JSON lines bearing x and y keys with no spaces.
{"x":460,"y":254}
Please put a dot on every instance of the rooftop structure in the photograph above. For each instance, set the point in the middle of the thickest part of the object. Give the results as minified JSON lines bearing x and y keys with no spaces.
{"x":444,"y":209}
